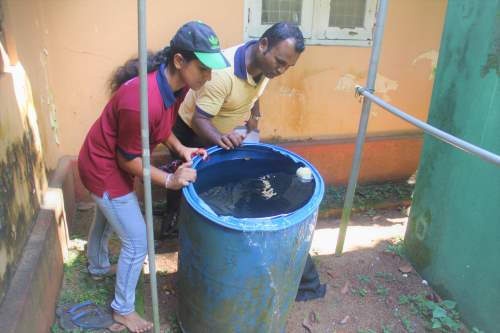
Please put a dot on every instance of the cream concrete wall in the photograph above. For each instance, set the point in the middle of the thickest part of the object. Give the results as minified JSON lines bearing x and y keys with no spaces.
{"x":22,"y":169}
{"x":27,"y":48}
{"x":87,"y":39}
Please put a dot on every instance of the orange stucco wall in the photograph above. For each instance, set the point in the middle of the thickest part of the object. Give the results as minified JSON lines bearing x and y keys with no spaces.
{"x":316,"y":99}
{"x":384,"y":158}
{"x":78,"y":44}
{"x":88,"y":39}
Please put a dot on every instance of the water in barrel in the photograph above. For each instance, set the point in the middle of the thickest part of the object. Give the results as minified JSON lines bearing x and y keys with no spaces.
{"x":248,"y":193}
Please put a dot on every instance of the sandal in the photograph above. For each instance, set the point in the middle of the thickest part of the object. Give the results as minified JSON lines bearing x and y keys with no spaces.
{"x":88,"y":316}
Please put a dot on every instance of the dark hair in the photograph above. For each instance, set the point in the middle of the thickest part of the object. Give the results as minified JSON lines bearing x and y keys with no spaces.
{"x":130,"y":69}
{"x":281,"y":31}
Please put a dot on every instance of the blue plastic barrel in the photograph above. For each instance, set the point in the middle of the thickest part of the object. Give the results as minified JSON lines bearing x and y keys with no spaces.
{"x":241,"y":275}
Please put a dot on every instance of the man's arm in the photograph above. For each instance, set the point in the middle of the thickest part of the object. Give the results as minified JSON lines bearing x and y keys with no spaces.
{"x":202,"y":125}
{"x":253,"y":122}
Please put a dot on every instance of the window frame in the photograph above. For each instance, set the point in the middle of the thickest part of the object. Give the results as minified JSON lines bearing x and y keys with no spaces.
{"x":314,"y":24}
{"x":253,"y":14}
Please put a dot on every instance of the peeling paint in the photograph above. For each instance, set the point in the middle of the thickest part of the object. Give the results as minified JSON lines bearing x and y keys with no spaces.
{"x":347,"y":82}
{"x":291,"y":92}
{"x":432,"y":56}
{"x":48,"y":102}
{"x":383,"y":85}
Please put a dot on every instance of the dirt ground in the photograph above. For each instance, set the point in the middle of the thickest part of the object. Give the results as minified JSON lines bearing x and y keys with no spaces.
{"x":364,"y":286}
{"x":368,"y":287}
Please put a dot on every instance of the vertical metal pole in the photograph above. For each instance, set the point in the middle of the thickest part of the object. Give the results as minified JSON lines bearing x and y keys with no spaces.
{"x":363,"y":123}
{"x":146,"y":164}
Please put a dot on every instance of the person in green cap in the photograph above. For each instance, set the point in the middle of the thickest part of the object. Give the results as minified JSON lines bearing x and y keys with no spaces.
{"x":110,"y":156}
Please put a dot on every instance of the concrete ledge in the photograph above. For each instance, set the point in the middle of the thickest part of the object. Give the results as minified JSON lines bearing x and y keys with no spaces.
{"x":30,"y":300}
{"x":29,"y":303}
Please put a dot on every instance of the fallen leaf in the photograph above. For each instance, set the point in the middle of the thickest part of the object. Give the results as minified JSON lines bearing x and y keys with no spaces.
{"x":405,"y":268}
{"x":310,"y":322}
{"x":345,"y":288}
{"x":307,"y":325}
{"x":434,"y":297}
{"x":344,"y":321}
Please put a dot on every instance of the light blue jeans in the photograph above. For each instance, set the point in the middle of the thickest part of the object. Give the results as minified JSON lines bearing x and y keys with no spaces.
{"x":123,"y":216}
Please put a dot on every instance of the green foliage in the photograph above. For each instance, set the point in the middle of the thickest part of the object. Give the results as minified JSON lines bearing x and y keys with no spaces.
{"x":407,"y":324}
{"x":362,"y":292}
{"x":79,"y":287}
{"x":385,"y":329}
{"x":441,"y":316}
{"x":388,"y":277}
{"x":363,"y":278}
{"x":396,"y":248}
{"x":381,"y":290}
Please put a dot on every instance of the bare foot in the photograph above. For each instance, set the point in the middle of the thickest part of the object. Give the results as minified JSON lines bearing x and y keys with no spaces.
{"x":110,"y":272}
{"x":133,"y":321}
{"x":116,"y":327}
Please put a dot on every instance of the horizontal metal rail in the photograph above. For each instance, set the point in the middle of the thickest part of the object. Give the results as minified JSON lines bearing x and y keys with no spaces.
{"x":435,"y":132}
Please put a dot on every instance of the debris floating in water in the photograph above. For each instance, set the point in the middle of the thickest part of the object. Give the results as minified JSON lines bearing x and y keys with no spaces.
{"x":268,"y":190}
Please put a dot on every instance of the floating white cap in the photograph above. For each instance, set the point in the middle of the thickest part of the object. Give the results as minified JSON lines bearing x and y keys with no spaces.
{"x":304,"y":174}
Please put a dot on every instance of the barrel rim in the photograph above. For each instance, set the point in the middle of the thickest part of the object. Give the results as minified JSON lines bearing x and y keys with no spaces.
{"x":274,"y":223}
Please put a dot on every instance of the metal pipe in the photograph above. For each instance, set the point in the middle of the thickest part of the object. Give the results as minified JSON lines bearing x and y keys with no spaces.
{"x":146,"y":164}
{"x":435,"y":132}
{"x":363,"y":123}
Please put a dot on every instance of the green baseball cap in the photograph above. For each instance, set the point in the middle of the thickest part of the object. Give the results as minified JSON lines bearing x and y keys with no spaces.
{"x":199,"y":38}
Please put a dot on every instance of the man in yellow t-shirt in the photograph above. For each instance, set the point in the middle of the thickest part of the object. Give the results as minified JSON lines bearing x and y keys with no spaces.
{"x":213,"y":114}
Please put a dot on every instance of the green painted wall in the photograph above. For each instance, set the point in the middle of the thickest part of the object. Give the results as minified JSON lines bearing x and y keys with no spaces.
{"x":453,"y":236}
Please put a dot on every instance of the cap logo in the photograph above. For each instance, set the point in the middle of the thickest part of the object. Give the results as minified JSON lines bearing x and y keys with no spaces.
{"x":214,"y":42}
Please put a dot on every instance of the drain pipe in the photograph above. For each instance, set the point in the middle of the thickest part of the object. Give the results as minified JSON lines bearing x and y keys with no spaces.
{"x":363,"y":123}
{"x":146,"y":164}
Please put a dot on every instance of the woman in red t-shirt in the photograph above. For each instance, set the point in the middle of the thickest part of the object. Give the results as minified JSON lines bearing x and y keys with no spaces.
{"x":110,"y":157}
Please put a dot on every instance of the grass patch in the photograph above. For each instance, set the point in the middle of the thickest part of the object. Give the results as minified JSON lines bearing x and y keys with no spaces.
{"x":367,"y":196}
{"x":361,"y":292}
{"x":78,"y":287}
{"x":396,"y":247}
